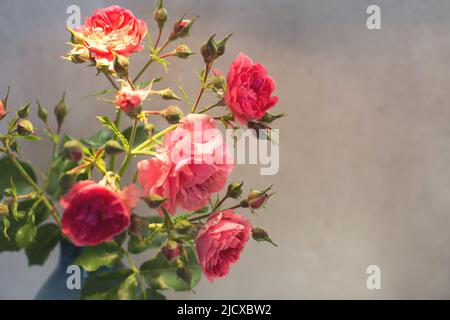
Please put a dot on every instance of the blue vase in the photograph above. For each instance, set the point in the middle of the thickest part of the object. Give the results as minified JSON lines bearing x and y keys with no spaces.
{"x":56,"y":288}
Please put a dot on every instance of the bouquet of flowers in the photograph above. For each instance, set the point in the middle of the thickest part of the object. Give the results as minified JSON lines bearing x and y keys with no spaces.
{"x":181,"y":175}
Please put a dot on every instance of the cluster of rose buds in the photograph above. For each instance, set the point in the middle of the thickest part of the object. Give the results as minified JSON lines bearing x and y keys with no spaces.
{"x":181,"y":169}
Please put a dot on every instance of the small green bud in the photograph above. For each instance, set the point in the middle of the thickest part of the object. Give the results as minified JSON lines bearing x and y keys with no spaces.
{"x":149,"y":129}
{"x":112,"y":147}
{"x":261,"y":235}
{"x":61,"y":111}
{"x":183,"y":226}
{"x":121,"y":65}
{"x":73,"y":150}
{"x":24,"y":112}
{"x":182,"y":28}
{"x":25,"y":127}
{"x":183,"y":51}
{"x":235,"y":190}
{"x":154,"y":201}
{"x":161,"y":15}
{"x":269,"y":118}
{"x":42,"y":112}
{"x":209,"y":50}
{"x":172,"y":114}
{"x":221,"y":45}
{"x":168,"y":94}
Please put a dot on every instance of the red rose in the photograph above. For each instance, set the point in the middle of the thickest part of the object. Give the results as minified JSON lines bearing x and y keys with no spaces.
{"x":221,"y":241}
{"x":249,"y":90}
{"x":95,"y":213}
{"x":193,"y":163}
{"x":112,"y":30}
{"x":2,"y":110}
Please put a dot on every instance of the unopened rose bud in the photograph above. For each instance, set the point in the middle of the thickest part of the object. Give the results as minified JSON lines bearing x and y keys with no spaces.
{"x":161,"y":14}
{"x":221,"y":45}
{"x":76,"y":37}
{"x":261,"y":235}
{"x":113,"y":147}
{"x":25,"y":127}
{"x":182,"y":28}
{"x":219,"y":82}
{"x":154,"y":201}
{"x":183,"y":226}
{"x":24,"y":112}
{"x":61,"y":111}
{"x":256,"y":199}
{"x":4,"y":210}
{"x":2,"y":110}
{"x":149,"y":128}
{"x":73,"y":150}
{"x":269,"y":118}
{"x":168,"y":94}
{"x":42,"y":112}
{"x":121,"y":65}
{"x":209,"y":50}
{"x":78,"y":54}
{"x":235,"y":190}
{"x":172,"y":114}
{"x":183,"y":51}
{"x":171,"y":250}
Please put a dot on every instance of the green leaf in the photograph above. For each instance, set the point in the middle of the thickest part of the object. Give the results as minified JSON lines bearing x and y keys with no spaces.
{"x":107,"y":122}
{"x":137,"y":244}
{"x":106,"y":254}
{"x":25,"y":235}
{"x":112,"y":285}
{"x":47,"y":237}
{"x":185,"y":95}
{"x":153,"y":294}
{"x":98,"y":140}
{"x":160,"y":273}
{"x":141,"y":135}
{"x":9,"y":171}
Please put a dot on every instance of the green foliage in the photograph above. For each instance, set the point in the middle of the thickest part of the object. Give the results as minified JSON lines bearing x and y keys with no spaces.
{"x":160,"y":273}
{"x":141,"y":135}
{"x":47,"y":237}
{"x":112,"y":285}
{"x":103,"y":255}
{"x":108,"y":123}
{"x":9,"y":172}
{"x":25,"y":235}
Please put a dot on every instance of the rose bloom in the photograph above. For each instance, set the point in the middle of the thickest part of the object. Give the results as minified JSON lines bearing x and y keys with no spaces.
{"x":112,"y":29}
{"x":128,"y":99}
{"x":220,"y":242}
{"x":2,"y":110}
{"x":94,"y":213}
{"x":192,"y":163}
{"x":249,"y":90}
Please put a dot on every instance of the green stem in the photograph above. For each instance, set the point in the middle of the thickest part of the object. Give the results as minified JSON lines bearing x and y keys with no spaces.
{"x":203,"y":87}
{"x":206,"y":215}
{"x":113,"y":83}
{"x":33,"y":184}
{"x":153,"y":139}
{"x":136,"y":272}
{"x":211,"y":107}
{"x":129,"y":155}
{"x":112,"y":160}
{"x":149,"y":62}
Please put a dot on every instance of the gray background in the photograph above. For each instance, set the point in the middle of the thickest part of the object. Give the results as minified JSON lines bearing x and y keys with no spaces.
{"x":365,"y":151}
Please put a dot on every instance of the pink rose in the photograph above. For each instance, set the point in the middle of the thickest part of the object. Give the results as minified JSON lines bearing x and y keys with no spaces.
{"x":128,"y":99}
{"x":249,"y":90}
{"x":2,"y":110}
{"x":112,"y":30}
{"x":193,"y":163}
{"x":220,"y":242}
{"x":94,"y":213}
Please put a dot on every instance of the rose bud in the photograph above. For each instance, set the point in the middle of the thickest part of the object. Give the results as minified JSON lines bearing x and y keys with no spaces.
{"x":25,"y":127}
{"x":113,"y":148}
{"x":129,"y":100}
{"x":209,"y":50}
{"x":235,"y":190}
{"x":219,"y":82}
{"x":154,"y":201}
{"x":172,"y":114}
{"x":42,"y":112}
{"x":256,"y":199}
{"x":269,"y":118}
{"x":182,"y":28}
{"x":161,"y":14}
{"x":171,"y":250}
{"x":78,"y":54}
{"x":121,"y":65}
{"x":183,"y":51}
{"x":73,"y":150}
{"x":2,"y":110}
{"x":168,"y":94}
{"x":138,"y":224}
{"x":149,"y":128}
{"x":24,"y":112}
{"x":61,"y":111}
{"x":221,"y":45}
{"x":261,"y":235}
{"x":183,"y":227}
{"x":4,"y":210}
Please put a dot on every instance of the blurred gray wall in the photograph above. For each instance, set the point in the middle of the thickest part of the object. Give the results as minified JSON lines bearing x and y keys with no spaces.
{"x":365,"y":150}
